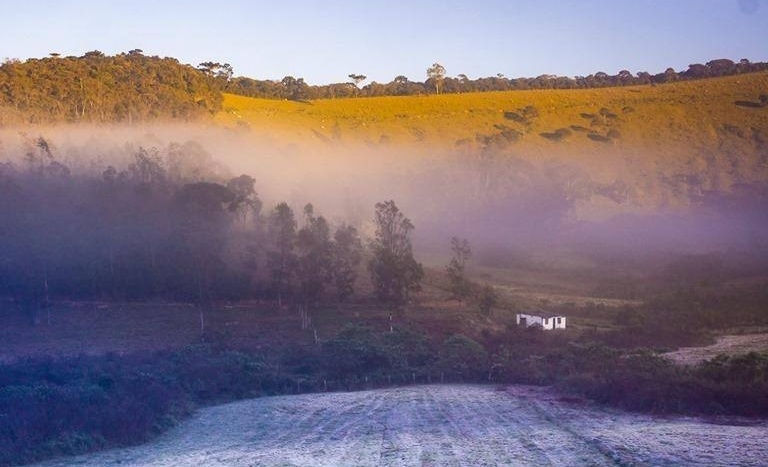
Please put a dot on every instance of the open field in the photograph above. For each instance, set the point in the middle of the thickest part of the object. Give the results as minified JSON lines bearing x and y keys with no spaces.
{"x":438,"y":425}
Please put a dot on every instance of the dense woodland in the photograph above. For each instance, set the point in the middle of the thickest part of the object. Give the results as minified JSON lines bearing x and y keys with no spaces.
{"x":128,"y":87}
{"x":163,"y":227}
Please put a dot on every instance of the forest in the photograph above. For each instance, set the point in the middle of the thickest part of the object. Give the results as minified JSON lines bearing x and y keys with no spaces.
{"x":163,"y":227}
{"x":128,"y":87}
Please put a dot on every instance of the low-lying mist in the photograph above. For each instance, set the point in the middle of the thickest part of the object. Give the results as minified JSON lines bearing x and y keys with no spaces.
{"x":503,"y":205}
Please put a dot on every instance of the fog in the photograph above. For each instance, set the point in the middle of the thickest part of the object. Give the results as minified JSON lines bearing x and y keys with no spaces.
{"x":498,"y":203}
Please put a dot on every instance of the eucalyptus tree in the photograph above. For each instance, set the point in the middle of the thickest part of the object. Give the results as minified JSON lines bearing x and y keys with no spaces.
{"x":436,"y":74}
{"x":395,"y":273}
{"x":281,"y":257}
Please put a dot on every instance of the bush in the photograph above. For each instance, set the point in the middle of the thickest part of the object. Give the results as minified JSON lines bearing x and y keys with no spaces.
{"x":408,"y":350}
{"x":355,"y":350}
{"x":72,"y":406}
{"x":557,"y":135}
{"x":515,"y":117}
{"x":461,"y":358}
{"x":598,"y":137}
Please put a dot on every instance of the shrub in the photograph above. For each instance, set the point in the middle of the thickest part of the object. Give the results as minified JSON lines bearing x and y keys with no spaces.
{"x":606,"y":113}
{"x":530,"y":112}
{"x":598,"y":137}
{"x":462,"y":358}
{"x":515,"y":117}
{"x":486,"y":299}
{"x":750,"y":104}
{"x":355,"y":350}
{"x":557,"y":135}
{"x":408,"y":350}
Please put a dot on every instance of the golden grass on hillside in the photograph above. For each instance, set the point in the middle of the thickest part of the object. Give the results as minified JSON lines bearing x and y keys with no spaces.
{"x":651,"y":117}
{"x":662,"y":141}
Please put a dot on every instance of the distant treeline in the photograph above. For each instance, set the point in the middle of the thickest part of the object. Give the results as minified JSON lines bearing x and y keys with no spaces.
{"x":128,"y":87}
{"x":133,"y":87}
{"x":297,"y":89}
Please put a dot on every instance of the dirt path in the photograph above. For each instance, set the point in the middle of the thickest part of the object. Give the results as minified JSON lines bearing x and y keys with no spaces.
{"x":436,"y":425}
{"x":725,"y":344}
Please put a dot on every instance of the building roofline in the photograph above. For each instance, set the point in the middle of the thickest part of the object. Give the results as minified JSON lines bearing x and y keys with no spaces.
{"x":542,"y":314}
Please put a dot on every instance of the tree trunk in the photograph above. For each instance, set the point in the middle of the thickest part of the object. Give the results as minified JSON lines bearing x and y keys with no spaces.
{"x":47,"y":296}
{"x":202,"y":323}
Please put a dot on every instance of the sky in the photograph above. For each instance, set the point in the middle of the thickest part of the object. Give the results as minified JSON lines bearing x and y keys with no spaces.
{"x":323,"y":41}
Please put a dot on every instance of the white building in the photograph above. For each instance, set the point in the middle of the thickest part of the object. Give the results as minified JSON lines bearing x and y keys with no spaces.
{"x":547,"y":321}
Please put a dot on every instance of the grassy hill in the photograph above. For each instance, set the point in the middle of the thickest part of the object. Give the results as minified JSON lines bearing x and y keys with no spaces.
{"x":665,"y":142}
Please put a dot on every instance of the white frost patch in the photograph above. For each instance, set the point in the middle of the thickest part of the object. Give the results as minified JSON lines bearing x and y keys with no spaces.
{"x":436,"y":425}
{"x":731,"y":345}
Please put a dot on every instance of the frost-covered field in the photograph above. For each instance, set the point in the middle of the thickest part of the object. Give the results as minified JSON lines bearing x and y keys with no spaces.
{"x":437,"y":425}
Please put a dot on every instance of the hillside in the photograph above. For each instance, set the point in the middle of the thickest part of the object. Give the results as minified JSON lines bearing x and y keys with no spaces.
{"x":656,"y":145}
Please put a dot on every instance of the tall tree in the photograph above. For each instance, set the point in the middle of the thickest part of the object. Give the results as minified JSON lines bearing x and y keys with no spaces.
{"x":394,"y":271}
{"x":347,"y":251}
{"x":281,"y":258}
{"x":313,"y":245}
{"x":459,"y":285}
{"x":204,"y":222}
{"x":357,"y":79}
{"x":245,"y":202}
{"x":436,"y":74}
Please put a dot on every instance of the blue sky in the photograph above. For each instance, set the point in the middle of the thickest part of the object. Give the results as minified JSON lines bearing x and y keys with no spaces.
{"x":325,"y":40}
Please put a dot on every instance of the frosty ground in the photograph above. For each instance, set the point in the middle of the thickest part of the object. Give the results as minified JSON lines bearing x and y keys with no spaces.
{"x":731,"y":345}
{"x":439,"y":425}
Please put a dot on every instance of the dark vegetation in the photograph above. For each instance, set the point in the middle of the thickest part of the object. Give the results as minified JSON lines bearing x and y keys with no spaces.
{"x":128,"y":87}
{"x":761,"y":102}
{"x":557,"y":135}
{"x":169,"y":226}
{"x":53,"y":407}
